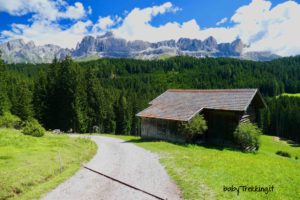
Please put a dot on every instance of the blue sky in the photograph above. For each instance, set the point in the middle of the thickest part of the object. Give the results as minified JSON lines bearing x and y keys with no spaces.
{"x":207,"y":13}
{"x":257,"y":22}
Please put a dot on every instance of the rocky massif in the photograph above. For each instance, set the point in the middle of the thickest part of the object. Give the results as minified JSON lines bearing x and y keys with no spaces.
{"x":107,"y":45}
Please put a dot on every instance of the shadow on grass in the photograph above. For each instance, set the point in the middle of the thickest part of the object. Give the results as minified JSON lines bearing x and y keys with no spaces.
{"x":186,"y":145}
{"x":292,"y":143}
{"x":5,"y":157}
{"x":288,"y":141}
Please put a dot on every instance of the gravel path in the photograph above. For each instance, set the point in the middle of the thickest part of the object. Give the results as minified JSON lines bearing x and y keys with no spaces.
{"x":125,"y":162}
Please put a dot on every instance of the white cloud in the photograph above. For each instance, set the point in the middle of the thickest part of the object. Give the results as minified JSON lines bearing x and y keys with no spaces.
{"x":44,"y":9}
{"x":105,"y":23}
{"x":222,"y":21}
{"x":45,"y":32}
{"x":74,"y":12}
{"x":43,"y":27}
{"x":270,"y":29}
{"x":136,"y":25}
{"x":263,"y":27}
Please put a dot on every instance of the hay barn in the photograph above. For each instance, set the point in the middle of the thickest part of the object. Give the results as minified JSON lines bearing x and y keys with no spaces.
{"x":222,"y":109}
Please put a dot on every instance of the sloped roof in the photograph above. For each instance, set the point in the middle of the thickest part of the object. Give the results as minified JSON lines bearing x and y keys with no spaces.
{"x":182,"y":105}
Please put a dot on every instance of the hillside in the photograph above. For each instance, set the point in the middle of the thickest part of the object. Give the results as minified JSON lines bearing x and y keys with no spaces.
{"x":291,"y":95}
{"x":30,"y":166}
{"x":99,"y":87}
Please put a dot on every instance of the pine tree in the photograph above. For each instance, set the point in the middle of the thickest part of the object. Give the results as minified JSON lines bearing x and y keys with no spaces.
{"x":4,"y":100}
{"x":122,"y":116}
{"x":21,"y":97}
{"x":52,"y":98}
{"x":40,"y":97}
{"x":97,"y":107}
{"x":135,"y":122}
{"x":70,"y":91}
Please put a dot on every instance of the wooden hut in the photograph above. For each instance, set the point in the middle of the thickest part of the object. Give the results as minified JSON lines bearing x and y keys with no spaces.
{"x":222,"y":109}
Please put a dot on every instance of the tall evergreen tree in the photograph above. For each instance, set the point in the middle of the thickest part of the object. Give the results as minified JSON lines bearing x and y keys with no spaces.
{"x":4,"y":100}
{"x":72,"y":98}
{"x":20,"y":96}
{"x":40,"y":96}
{"x":96,"y":110}
{"x":122,"y":116}
{"x":135,"y":122}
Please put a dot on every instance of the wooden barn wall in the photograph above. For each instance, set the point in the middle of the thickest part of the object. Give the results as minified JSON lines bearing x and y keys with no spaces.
{"x":161,"y":129}
{"x":221,"y":125}
{"x":252,"y":113}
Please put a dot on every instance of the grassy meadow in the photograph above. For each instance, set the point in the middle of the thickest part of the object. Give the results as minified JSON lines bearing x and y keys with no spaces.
{"x":291,"y":95}
{"x":202,"y":172}
{"x":30,"y":166}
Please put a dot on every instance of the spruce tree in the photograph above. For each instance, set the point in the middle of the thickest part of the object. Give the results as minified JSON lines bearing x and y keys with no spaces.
{"x":4,"y":100}
{"x":71,"y":105}
{"x":96,"y":105}
{"x":122,"y":116}
{"x":21,"y":97}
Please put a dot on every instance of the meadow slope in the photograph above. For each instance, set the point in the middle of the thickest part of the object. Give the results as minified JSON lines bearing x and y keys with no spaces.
{"x":30,"y":167}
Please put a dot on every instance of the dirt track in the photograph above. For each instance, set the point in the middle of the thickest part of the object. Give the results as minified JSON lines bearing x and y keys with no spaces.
{"x":125,"y":162}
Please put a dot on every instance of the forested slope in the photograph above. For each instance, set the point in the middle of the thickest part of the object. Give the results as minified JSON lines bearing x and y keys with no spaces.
{"x":107,"y":93}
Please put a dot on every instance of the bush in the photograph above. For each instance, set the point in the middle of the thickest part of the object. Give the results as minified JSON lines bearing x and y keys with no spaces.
{"x":197,"y":126}
{"x":284,"y":154}
{"x":33,"y":128}
{"x":246,"y":136}
{"x":7,"y":120}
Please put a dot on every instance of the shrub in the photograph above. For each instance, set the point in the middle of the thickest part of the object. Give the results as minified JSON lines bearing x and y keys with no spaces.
{"x":284,"y":154}
{"x":33,"y":128}
{"x":7,"y":120}
{"x":246,"y":136}
{"x":197,"y":126}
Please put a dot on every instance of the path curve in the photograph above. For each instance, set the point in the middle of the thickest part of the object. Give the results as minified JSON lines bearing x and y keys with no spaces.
{"x":123,"y":161}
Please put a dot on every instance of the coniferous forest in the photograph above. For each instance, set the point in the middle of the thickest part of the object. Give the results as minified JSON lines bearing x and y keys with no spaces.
{"x":105,"y":94}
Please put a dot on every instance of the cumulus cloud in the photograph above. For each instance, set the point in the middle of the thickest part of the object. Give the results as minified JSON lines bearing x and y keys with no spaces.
{"x":269,"y":29}
{"x":258,"y":24}
{"x":44,"y":9}
{"x":74,"y":12}
{"x":105,"y":23}
{"x":45,"y":32}
{"x":43,"y":27}
{"x":222,"y":21}
{"x":136,"y":25}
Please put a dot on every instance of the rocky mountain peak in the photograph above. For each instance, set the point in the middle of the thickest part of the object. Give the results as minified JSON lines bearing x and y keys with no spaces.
{"x":30,"y":44}
{"x":211,"y":42}
{"x":107,"y":45}
{"x":15,"y":44}
{"x":238,"y":45}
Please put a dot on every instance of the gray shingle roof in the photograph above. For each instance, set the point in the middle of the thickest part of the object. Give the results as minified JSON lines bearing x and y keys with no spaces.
{"x":182,"y":105}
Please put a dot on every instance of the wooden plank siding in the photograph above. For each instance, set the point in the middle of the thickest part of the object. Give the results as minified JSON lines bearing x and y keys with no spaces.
{"x":161,"y":129}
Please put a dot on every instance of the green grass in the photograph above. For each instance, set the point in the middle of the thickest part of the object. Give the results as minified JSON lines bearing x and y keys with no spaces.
{"x":202,"y":172}
{"x":291,"y":95}
{"x":30,"y":167}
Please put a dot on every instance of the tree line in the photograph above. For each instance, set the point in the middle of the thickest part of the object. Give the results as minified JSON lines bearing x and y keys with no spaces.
{"x":107,"y":93}
{"x":282,"y":118}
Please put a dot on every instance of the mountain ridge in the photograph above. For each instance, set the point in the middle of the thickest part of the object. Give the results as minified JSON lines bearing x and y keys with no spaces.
{"x":107,"y":45}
